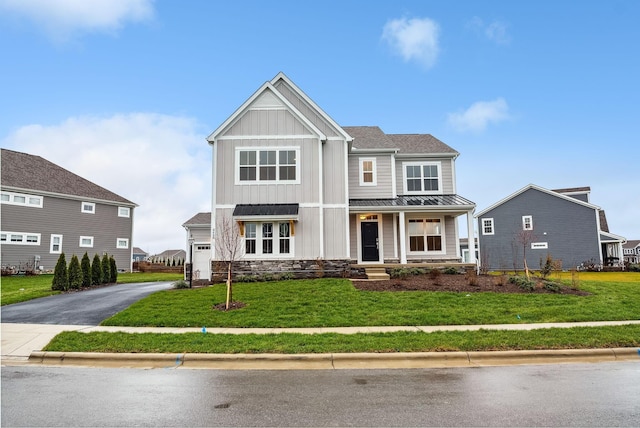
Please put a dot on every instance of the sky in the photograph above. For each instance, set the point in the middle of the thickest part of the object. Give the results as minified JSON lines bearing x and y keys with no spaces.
{"x":125,"y":92}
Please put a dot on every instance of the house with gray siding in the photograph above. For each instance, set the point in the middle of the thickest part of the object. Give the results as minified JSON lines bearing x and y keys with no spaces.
{"x":48,"y":210}
{"x":631,"y":250}
{"x":308,"y":194}
{"x":535,"y":222}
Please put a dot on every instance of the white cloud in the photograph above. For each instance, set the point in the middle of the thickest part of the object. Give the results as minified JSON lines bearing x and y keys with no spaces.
{"x":159,"y":162}
{"x":479,"y":115}
{"x":495,"y":31}
{"x":413,"y":39}
{"x":61,"y":19}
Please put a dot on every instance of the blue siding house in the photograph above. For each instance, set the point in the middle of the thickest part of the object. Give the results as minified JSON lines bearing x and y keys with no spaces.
{"x":535,"y":222}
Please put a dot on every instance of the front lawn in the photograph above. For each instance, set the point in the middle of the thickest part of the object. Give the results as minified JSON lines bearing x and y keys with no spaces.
{"x":336,"y":303}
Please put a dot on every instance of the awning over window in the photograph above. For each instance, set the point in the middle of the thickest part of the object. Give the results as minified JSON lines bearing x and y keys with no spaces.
{"x":266,"y":212}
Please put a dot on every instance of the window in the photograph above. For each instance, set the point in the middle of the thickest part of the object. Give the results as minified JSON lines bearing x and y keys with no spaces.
{"x":267,"y":166}
{"x":122,"y":243}
{"x":425,"y":235}
{"x":487,"y":226}
{"x":273,"y":239}
{"x":422,"y":177}
{"x":56,"y":244}
{"x":124,"y":212}
{"x":20,"y":238}
{"x":20,"y":199}
{"x":368,"y":172}
{"x":527,"y":222}
{"x":88,"y":207}
{"x":86,"y":241}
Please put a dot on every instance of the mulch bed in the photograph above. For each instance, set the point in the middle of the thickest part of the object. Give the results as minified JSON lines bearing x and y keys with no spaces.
{"x":460,"y":284}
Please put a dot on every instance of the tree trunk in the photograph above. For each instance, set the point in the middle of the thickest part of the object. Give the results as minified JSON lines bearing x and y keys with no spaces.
{"x":228,"y":286}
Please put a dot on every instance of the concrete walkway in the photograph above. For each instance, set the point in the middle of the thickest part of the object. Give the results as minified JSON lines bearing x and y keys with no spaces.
{"x":23,"y":344}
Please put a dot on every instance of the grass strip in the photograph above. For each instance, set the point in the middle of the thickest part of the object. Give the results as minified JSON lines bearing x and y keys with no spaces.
{"x":294,"y":343}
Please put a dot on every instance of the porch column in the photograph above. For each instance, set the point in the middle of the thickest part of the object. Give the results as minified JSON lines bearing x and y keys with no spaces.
{"x":472,"y":238}
{"x":403,"y":240}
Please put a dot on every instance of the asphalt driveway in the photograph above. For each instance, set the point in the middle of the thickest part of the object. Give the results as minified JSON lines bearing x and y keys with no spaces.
{"x":89,"y":307}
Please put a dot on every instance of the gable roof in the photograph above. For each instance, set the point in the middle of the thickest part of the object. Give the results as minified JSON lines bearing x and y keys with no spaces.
{"x":372,"y":137}
{"x":540,"y":189}
{"x":631,"y":243}
{"x":22,"y":171}
{"x":200,"y":219}
{"x":138,"y":250}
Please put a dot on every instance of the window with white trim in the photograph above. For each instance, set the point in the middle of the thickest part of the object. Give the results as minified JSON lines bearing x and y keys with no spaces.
{"x":56,"y":244}
{"x":88,"y":207}
{"x":487,"y":226}
{"x":368,"y":176}
{"x":86,"y":241}
{"x":527,"y":222}
{"x":122,"y":243}
{"x":271,"y":165}
{"x":422,"y":178}
{"x":124,"y":212}
{"x":268,"y":238}
{"x":11,"y":198}
{"x":425,"y":235}
{"x":20,"y":238}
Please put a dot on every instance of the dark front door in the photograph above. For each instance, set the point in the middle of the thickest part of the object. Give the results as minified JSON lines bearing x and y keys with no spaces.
{"x":369,"y":234}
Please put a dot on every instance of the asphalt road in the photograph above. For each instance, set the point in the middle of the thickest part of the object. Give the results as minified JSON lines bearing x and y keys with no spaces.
{"x":82,"y":308}
{"x":585,"y":395}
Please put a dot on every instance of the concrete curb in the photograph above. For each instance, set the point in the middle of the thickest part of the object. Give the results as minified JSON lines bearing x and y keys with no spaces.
{"x":338,"y":361}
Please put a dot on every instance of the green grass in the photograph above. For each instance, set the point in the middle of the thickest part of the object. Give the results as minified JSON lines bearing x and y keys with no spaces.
{"x":287,"y":343}
{"x":15,"y":289}
{"x":336,"y":303}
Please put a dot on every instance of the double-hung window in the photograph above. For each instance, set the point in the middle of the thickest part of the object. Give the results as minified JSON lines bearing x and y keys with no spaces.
{"x":425,"y":235}
{"x":422,"y":178}
{"x":56,"y":244}
{"x":368,"y":172}
{"x":269,"y":165}
{"x":527,"y":222}
{"x":487,"y":226}
{"x":268,"y":238}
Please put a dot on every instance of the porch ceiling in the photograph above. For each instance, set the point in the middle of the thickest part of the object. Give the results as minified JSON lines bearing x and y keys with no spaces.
{"x":413,"y":203}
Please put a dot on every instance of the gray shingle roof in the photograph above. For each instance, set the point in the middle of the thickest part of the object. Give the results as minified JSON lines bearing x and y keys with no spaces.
{"x":29,"y":172}
{"x":199,"y":219}
{"x":372,"y":137}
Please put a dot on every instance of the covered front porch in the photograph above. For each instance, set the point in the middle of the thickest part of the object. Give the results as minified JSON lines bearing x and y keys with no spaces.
{"x":409,"y":230}
{"x":611,"y":248}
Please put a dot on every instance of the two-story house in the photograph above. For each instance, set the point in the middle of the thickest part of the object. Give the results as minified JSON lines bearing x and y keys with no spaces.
{"x":632,"y":251}
{"x":309,"y":194}
{"x":535,"y":222}
{"x":47,"y":210}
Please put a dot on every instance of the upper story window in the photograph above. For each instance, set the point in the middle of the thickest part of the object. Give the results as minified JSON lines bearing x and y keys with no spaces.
{"x":422,"y":178}
{"x":124,"y":212}
{"x":20,"y":238}
{"x":86,"y":241}
{"x":271,"y":165}
{"x":56,"y":244}
{"x":487,"y":226}
{"x":527,"y":222}
{"x":122,"y":243}
{"x":88,"y":207}
{"x":22,"y":199}
{"x":368,"y":172}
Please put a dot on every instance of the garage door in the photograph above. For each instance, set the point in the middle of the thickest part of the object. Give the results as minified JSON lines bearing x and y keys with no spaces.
{"x":202,"y":261}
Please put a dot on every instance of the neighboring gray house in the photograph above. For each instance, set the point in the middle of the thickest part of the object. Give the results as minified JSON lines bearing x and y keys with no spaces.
{"x":139,"y":255}
{"x":307,"y":193}
{"x":561,"y":223}
{"x":169,"y":257}
{"x":632,"y":251}
{"x":47,"y":210}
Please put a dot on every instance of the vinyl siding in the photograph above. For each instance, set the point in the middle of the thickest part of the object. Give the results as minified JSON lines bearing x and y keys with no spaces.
{"x":446,"y":173}
{"x":335,"y":232}
{"x":267,"y":122}
{"x":569,"y":229}
{"x":334,"y":174}
{"x":384,"y":186}
{"x":64,"y":217}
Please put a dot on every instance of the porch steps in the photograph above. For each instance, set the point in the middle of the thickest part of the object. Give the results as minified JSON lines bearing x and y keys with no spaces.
{"x":376,"y":273}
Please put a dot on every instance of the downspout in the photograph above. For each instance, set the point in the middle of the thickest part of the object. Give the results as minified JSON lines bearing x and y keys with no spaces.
{"x":212,"y":231}
{"x":346,"y":201}
{"x":321,"y":199}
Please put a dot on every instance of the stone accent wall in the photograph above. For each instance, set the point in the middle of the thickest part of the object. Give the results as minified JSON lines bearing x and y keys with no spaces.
{"x":287,"y":269}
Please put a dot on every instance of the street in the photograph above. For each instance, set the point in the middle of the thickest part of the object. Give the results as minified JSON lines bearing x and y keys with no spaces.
{"x":604,"y":394}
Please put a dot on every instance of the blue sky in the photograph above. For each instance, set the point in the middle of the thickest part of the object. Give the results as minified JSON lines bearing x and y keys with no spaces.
{"x":124,"y":92}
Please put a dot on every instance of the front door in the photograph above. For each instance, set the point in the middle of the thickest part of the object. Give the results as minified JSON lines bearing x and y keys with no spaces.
{"x":369,"y":234}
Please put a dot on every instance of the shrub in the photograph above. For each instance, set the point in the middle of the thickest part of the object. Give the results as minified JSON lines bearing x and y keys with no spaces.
{"x":551,"y":286}
{"x":435,"y":274}
{"x":451,"y":271}
{"x":96,"y":270}
{"x":247,"y":278}
{"x":60,"y":277}
{"x":472,"y":277}
{"x":546,"y":266}
{"x":105,"y":264}
{"x":181,"y":284}
{"x":85,"y":265}
{"x":400,"y":273}
{"x":114,"y":270}
{"x":634,"y":268}
{"x":75,"y":273}
{"x":522,"y":282}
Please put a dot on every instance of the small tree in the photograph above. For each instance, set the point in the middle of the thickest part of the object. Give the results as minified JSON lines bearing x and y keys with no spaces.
{"x":96,"y":270}
{"x":75,"y":273}
{"x":228,"y":245}
{"x":60,"y":277}
{"x":106,"y":269}
{"x":114,"y":270}
{"x":525,"y":238}
{"x":85,"y":265}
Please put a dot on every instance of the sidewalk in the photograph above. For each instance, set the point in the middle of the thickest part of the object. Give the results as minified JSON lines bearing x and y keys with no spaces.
{"x":23,"y":343}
